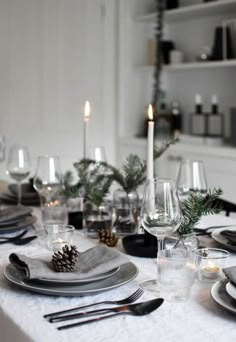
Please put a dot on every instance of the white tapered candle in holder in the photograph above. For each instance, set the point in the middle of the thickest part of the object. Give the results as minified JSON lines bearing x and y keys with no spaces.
{"x":86,"y":122}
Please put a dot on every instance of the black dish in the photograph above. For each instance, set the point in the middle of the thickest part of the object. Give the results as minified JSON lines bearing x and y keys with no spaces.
{"x":138,"y":245}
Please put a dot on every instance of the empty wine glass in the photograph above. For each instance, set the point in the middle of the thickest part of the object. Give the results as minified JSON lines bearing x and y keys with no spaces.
{"x":18,"y":165}
{"x":160,"y":214}
{"x":48,"y":177}
{"x":191,"y":178}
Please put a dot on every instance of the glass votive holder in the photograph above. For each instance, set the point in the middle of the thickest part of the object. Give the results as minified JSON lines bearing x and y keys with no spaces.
{"x":209,"y":263}
{"x":175,"y":274}
{"x":58,"y":235}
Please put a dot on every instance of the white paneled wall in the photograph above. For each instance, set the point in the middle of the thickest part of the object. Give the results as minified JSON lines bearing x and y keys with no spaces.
{"x":55,"y":54}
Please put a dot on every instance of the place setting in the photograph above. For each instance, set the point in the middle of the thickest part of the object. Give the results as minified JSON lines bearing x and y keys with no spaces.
{"x":15,"y":223}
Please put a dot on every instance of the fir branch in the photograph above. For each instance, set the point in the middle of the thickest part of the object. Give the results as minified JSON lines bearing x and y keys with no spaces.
{"x":93,"y":179}
{"x":158,"y":151}
{"x":160,"y":7}
{"x":196,"y":206}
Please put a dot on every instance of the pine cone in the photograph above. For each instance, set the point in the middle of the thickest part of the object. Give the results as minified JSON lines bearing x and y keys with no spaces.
{"x":65,"y":261}
{"x":107,"y":237}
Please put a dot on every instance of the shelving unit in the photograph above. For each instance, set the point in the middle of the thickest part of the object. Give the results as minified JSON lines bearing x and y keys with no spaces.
{"x":190,"y":12}
{"x":190,"y":66}
{"x":190,"y":28}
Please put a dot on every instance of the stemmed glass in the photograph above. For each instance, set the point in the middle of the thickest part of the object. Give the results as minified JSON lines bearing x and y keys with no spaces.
{"x":191,"y":178}
{"x":160,"y":214}
{"x":48,"y":177}
{"x":18,"y":165}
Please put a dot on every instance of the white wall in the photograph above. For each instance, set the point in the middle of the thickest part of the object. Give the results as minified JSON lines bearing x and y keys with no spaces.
{"x":55,"y":54}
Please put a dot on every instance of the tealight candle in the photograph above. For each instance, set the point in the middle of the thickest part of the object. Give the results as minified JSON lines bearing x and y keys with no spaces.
{"x":209,"y":262}
{"x":211,"y":271}
{"x":58,"y":244}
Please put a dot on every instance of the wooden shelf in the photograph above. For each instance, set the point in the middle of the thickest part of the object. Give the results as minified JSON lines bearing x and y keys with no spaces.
{"x":220,"y":7}
{"x":190,"y":66}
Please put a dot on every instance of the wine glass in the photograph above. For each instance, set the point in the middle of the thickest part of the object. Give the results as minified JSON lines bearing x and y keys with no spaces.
{"x":48,"y":178}
{"x":18,"y":165}
{"x":191,"y":178}
{"x":160,"y":214}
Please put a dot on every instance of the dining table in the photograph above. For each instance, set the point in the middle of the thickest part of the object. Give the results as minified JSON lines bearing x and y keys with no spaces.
{"x":199,"y":318}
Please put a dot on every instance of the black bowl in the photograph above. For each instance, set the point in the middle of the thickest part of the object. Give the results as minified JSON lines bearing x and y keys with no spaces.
{"x":137,"y":245}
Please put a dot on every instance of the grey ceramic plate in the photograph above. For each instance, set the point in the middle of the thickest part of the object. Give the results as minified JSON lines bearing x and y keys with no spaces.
{"x":217,"y":236}
{"x":11,"y":199}
{"x":76,"y":282}
{"x":220,"y":296}
{"x":231,"y":290}
{"x":125,"y":274}
{"x":25,"y":222}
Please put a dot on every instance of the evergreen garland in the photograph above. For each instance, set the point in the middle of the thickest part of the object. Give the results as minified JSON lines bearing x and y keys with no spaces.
{"x":160,"y":7}
{"x":196,"y":206}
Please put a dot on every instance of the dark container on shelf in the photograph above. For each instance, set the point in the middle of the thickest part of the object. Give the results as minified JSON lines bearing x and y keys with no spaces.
{"x":218,"y":53}
{"x":166,"y":47}
{"x":232,"y":138}
{"x":171,"y":4}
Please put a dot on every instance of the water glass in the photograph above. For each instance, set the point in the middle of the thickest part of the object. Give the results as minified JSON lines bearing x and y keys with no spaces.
{"x":176,"y":274}
{"x":58,"y":235}
{"x":54,"y":212}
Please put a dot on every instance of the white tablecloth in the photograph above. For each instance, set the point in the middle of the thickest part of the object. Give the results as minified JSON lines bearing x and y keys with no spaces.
{"x":198,"y":319}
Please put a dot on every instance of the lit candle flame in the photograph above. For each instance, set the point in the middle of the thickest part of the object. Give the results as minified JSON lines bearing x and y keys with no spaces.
{"x":150,"y":113}
{"x":86,"y":111}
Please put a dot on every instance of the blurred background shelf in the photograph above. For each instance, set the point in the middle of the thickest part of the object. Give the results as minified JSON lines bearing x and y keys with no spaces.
{"x":216,"y":8}
{"x":189,"y":66}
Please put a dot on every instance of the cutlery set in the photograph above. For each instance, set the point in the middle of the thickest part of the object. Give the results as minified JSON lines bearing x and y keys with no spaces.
{"x":18,"y":240}
{"x":126,"y":308}
{"x":210,"y":229}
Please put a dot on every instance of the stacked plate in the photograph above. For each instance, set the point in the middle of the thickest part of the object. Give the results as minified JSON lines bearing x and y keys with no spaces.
{"x":224,"y":293}
{"x":226,"y":237}
{"x":103,"y":282}
{"x":29,"y":195}
{"x":15,"y":218}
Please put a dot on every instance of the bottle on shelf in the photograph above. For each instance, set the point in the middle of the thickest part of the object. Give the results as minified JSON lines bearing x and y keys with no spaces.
{"x":198,"y":124}
{"x":215,"y":120}
{"x":176,"y":120}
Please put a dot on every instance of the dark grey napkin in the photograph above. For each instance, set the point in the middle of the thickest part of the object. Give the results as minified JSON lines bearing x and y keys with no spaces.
{"x":13,"y":213}
{"x":230,"y":273}
{"x":230,"y":235}
{"x":93,"y":262}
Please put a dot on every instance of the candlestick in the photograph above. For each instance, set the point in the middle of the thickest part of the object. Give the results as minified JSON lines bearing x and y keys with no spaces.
{"x":86,"y":121}
{"x":150,"y":143}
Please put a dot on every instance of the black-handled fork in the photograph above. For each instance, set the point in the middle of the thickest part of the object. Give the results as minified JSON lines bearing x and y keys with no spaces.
{"x":137,"y":294}
{"x":138,"y":309}
{"x":12,"y":239}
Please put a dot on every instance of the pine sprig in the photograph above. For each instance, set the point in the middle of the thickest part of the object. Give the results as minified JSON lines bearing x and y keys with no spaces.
{"x":196,"y":206}
{"x":132,"y":173}
{"x":160,"y":7}
{"x":160,"y":150}
{"x":94,"y":182}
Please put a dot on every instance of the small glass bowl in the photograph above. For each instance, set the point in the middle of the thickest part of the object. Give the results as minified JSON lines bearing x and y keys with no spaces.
{"x":209,"y":263}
